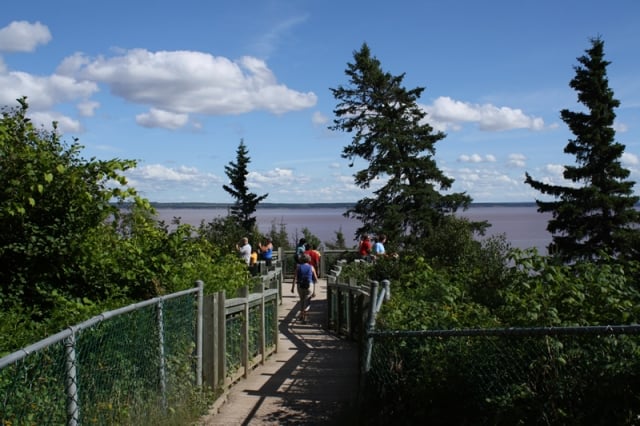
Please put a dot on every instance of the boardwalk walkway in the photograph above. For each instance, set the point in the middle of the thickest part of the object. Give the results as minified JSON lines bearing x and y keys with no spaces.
{"x":311,"y":380}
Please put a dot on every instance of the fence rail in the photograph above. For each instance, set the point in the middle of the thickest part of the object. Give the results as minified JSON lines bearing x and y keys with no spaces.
{"x":131,"y":365}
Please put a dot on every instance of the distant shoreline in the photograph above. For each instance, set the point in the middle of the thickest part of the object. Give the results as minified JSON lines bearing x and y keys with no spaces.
{"x":194,"y":205}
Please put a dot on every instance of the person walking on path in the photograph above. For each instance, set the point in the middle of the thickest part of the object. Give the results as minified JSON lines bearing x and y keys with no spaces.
{"x":314,"y":257}
{"x":305,"y":277}
{"x":299,"y":250}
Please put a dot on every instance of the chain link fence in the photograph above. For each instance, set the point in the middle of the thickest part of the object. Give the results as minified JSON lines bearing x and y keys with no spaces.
{"x":144,"y":364}
{"x":120,"y":367}
{"x":537,"y":376}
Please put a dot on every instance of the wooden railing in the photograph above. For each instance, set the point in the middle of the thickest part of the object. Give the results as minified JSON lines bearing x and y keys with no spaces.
{"x":240,"y":332}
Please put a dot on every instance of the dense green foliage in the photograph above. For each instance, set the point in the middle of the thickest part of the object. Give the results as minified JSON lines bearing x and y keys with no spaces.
{"x":398,"y":148}
{"x":596,"y":212}
{"x":77,"y":241}
{"x":246,"y":202}
{"x":51,"y":199}
{"x":507,"y":379}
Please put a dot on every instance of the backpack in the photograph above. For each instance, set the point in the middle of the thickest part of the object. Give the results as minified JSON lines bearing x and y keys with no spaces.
{"x":304,"y":276}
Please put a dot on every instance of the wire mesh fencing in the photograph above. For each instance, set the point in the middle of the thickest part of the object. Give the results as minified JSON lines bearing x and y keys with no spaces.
{"x":541,"y":376}
{"x":118,"y":368}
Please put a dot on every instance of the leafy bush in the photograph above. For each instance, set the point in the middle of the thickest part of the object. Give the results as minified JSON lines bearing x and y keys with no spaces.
{"x":507,"y":379}
{"x":77,"y":241}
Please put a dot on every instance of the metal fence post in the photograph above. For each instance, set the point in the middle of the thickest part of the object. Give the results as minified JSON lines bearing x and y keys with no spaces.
{"x":386,"y":285}
{"x":245,"y":332}
{"x":371,"y":324}
{"x":161,"y":366}
{"x":199,"y":332}
{"x":73,"y":409}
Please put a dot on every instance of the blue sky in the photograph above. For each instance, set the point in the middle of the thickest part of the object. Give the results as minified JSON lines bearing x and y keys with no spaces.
{"x":177,"y":85}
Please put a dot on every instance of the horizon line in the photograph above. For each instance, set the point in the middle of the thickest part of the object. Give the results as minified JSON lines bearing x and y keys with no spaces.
{"x":201,"y":204}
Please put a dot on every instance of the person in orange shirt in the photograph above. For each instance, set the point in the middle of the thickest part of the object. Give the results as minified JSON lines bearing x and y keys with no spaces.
{"x":314,"y":257}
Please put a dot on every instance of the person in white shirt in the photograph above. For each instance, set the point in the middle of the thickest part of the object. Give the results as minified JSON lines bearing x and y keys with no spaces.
{"x":244,"y":250}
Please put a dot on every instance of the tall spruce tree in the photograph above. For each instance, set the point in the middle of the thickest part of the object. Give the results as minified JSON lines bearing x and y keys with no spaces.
{"x":246,"y":202}
{"x":390,"y":135}
{"x":596,"y":212}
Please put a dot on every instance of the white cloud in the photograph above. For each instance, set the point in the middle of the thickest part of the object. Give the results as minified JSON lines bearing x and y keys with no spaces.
{"x":449,"y":114}
{"x":275,"y":177}
{"x":164,"y":119}
{"x":267,"y":42}
{"x":555,"y":169}
{"x":173,"y":84}
{"x":319,"y":119}
{"x":157,"y":178}
{"x":476,"y":158}
{"x":486,"y":183}
{"x":43,"y":92}
{"x":87,"y":109}
{"x":620,"y":127}
{"x":45,"y":118}
{"x":516,"y":160}
{"x":629,"y":159}
{"x":186,"y":82}
{"x":23,"y":36}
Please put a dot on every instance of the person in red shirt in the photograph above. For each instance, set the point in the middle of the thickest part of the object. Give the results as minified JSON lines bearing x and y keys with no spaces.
{"x":364,"y":249}
{"x":314,"y":257}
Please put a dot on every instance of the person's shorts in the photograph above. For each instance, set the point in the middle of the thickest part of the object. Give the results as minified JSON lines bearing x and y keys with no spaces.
{"x":305,"y":293}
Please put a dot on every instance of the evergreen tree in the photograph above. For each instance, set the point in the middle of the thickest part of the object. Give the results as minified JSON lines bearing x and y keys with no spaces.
{"x":596,"y":212}
{"x":399,"y":147}
{"x":246,"y":202}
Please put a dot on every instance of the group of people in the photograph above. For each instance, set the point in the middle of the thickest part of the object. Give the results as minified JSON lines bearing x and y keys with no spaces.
{"x":250,"y":256}
{"x":370,"y":251}
{"x":307,"y":260}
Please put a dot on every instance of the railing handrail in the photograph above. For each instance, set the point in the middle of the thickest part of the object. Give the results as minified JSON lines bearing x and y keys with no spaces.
{"x":512,"y":331}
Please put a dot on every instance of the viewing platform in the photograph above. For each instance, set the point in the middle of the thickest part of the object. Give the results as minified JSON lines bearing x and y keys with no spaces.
{"x":312,"y":379}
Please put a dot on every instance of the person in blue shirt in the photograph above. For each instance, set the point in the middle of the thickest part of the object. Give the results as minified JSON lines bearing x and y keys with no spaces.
{"x":378,"y":247}
{"x":266,"y":251}
{"x":305,"y":278}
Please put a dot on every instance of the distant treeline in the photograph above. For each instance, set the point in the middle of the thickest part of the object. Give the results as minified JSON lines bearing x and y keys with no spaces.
{"x":183,"y":205}
{"x":261,"y":206}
